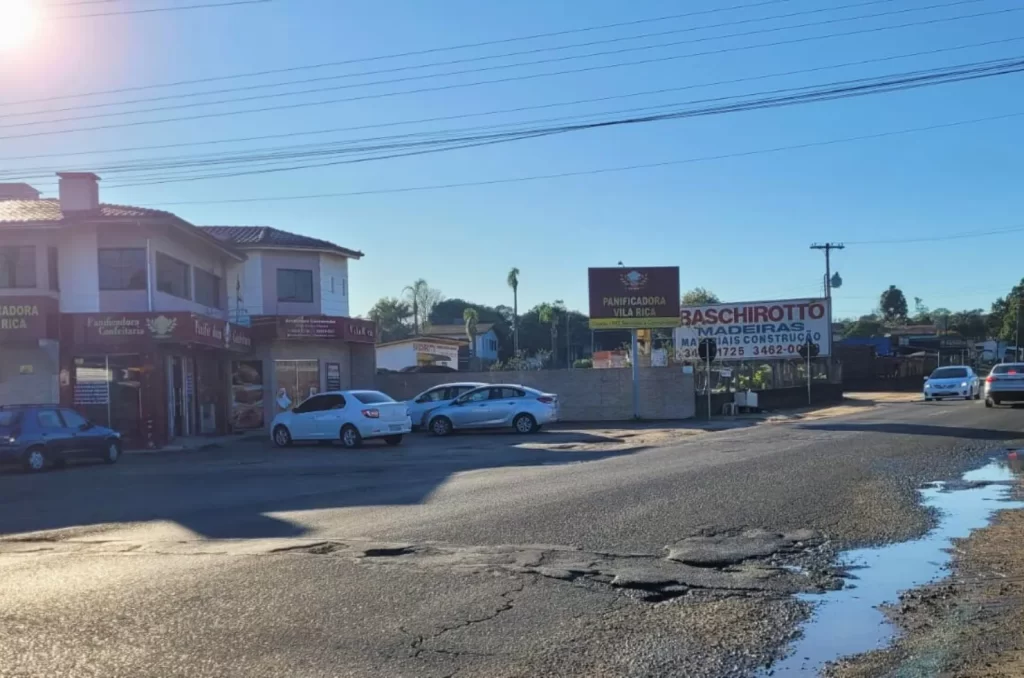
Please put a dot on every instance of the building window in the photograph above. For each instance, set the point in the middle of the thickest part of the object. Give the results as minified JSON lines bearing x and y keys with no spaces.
{"x":344,"y":287}
{"x":208,"y":289}
{"x":51,"y":265}
{"x":122,"y":269}
{"x":17,"y":266}
{"x":173,"y":276}
{"x":294,"y":285}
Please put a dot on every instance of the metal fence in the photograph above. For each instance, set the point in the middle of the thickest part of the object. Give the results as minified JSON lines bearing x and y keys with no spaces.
{"x":751,"y":375}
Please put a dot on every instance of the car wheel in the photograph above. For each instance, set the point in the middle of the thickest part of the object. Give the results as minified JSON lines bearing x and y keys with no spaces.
{"x":282,"y":436}
{"x":350,"y":437}
{"x":977,"y":395}
{"x":113,"y":453}
{"x":996,"y":402}
{"x":524,"y":423}
{"x":967,"y":397}
{"x":35,"y":460}
{"x":393,"y":440}
{"x":927,"y":399}
{"x":441,"y":426}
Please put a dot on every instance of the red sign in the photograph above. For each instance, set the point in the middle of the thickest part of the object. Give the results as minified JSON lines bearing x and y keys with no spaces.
{"x":314,"y":327}
{"x":94,"y":329}
{"x":28,"y":318}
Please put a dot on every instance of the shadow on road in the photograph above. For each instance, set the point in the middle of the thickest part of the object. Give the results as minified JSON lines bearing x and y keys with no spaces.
{"x":920,"y":430}
{"x":229,"y":493}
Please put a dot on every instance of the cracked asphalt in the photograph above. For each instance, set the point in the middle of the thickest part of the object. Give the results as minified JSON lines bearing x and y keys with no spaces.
{"x":463,"y":557}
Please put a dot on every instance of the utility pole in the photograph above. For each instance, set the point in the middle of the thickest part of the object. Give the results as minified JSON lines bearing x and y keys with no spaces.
{"x":828,"y":247}
{"x":1016,"y":337}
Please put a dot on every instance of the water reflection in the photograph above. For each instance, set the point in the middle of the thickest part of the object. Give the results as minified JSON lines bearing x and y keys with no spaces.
{"x":848,"y":621}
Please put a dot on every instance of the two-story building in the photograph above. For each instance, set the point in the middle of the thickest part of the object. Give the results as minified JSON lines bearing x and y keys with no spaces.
{"x":144,"y":322}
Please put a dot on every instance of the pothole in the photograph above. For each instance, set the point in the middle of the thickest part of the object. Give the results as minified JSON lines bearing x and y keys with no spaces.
{"x":848,"y":621}
{"x":386,"y":552}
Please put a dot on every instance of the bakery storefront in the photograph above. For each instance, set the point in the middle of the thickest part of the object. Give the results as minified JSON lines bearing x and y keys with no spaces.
{"x":152,"y":376}
{"x":294,"y":357}
{"x":28,"y":349}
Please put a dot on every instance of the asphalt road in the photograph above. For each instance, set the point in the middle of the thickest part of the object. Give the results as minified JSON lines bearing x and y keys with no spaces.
{"x":456,"y":558}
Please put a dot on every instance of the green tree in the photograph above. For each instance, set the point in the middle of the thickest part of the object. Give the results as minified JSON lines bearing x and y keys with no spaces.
{"x":513,"y":281}
{"x":423,"y":298}
{"x":391,"y":316}
{"x":922,"y":316}
{"x":550,"y":314}
{"x":863,"y":327}
{"x":1010,"y":308}
{"x":471,"y":318}
{"x":969,"y":324}
{"x":941,"y":317}
{"x":893,"y":304}
{"x":699,"y":296}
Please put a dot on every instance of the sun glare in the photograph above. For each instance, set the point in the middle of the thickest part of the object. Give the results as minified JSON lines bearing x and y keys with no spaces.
{"x":18,"y":22}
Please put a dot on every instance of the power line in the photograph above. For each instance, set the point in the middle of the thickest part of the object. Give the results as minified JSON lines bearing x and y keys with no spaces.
{"x":151,"y":10}
{"x":459,"y":85}
{"x":520,"y":108}
{"x":605,"y":170}
{"x":937,"y":238}
{"x":830,"y":91}
{"x":475,"y":59}
{"x":398,"y":55}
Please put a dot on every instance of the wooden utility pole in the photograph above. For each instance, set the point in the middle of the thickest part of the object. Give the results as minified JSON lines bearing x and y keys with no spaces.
{"x":828,"y":247}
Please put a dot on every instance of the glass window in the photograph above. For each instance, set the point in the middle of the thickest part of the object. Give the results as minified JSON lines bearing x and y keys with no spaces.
{"x":334,"y":401}
{"x":314,"y":404}
{"x":477,"y":396}
{"x":434,"y":395}
{"x":73,"y":419}
{"x":17,"y":266}
{"x":122,"y":269}
{"x":208,"y":289}
{"x":294,"y":285}
{"x":1008,"y":368}
{"x":505,"y":393}
{"x":52,"y":269}
{"x":9,"y":418}
{"x":49,"y":419}
{"x":296,"y":380}
{"x":949,"y":373}
{"x":173,"y":277}
{"x":456,"y":391}
{"x":371,"y":397}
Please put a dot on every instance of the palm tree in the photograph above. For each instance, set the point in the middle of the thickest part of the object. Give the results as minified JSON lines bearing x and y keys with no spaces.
{"x":548,"y":313}
{"x":415,"y":292}
{"x":513,"y":282}
{"x":471,"y":317}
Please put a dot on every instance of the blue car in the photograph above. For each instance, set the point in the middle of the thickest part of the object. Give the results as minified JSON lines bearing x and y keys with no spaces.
{"x":40,"y":436}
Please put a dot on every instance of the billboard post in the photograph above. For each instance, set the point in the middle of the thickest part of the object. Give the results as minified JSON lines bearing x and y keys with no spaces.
{"x":631,"y":299}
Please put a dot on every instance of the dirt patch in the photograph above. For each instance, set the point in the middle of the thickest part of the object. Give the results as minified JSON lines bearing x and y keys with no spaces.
{"x":970,"y":625}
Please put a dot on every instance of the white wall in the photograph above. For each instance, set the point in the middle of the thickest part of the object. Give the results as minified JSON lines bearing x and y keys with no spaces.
{"x":252,"y":282}
{"x":79,"y":271}
{"x":334,"y":285}
{"x":396,"y":357}
{"x":483,"y":348}
{"x":199,"y":256}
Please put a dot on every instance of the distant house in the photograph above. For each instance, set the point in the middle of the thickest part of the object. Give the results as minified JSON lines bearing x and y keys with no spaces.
{"x":486,"y":340}
{"x":423,"y":351}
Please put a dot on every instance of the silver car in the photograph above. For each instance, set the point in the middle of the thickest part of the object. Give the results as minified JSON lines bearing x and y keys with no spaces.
{"x":955,"y":381}
{"x":494,"y":406}
{"x":1005,"y":383}
{"x":437,"y":396}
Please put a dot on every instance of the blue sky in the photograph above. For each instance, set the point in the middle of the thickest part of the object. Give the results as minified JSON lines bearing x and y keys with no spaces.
{"x":740,"y":226}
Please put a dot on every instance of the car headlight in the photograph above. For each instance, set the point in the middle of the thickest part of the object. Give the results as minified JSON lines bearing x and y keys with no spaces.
{"x":927,"y":386}
{"x":963,"y":384}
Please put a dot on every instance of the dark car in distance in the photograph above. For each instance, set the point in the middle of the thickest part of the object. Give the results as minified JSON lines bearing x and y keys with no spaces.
{"x":39,"y":436}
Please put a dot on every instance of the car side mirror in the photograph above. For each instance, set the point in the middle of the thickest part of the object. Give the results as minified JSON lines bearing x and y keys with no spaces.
{"x":421,"y":399}
{"x":86,"y":426}
{"x":458,"y":403}
{"x":926,"y":378}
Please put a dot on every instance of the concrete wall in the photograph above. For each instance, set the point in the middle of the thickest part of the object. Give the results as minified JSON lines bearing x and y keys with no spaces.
{"x":40,"y":386}
{"x":584,"y":395}
{"x":333,"y":285}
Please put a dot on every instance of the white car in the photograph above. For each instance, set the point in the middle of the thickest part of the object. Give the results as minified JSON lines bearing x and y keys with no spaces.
{"x":957,"y":381}
{"x":435,"y":397}
{"x":348,"y":416}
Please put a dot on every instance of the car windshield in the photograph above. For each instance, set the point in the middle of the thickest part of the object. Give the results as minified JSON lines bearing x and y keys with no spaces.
{"x":949,"y":373}
{"x":9,"y":418}
{"x":1010,"y":368}
{"x":371,"y":397}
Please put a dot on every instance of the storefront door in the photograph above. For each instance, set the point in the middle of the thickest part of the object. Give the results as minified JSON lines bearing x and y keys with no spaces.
{"x":296,"y":380}
{"x":181,"y":384}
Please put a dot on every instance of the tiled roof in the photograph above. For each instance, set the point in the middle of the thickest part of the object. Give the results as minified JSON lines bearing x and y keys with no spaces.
{"x":34,"y":211}
{"x":457,"y":330}
{"x":267,"y":236}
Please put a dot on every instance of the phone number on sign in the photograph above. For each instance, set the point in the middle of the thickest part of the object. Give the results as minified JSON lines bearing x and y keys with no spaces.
{"x":745,"y":351}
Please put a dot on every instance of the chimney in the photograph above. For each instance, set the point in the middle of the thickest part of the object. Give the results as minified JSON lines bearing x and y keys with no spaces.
{"x":18,"y":192}
{"x":79,"y":191}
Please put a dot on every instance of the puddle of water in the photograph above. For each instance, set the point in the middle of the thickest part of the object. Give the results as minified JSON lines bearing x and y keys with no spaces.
{"x":848,"y":621}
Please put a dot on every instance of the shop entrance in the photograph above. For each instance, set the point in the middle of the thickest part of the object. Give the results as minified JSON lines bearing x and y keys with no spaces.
{"x":180,"y":381}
